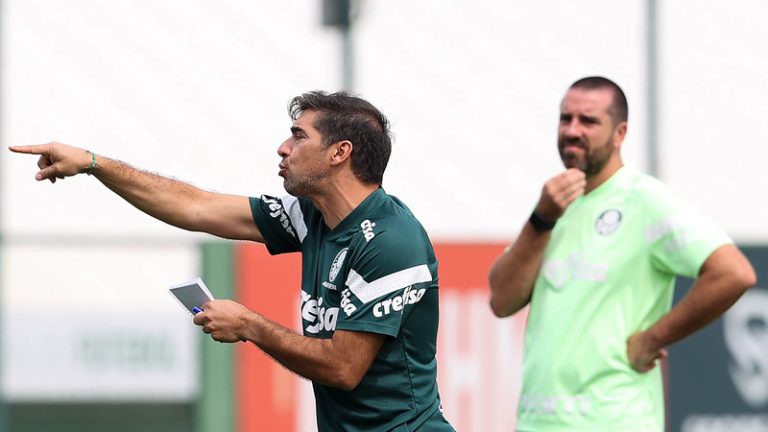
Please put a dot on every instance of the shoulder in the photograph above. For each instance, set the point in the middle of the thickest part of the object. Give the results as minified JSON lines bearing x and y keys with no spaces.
{"x":392,"y":232}
{"x":649,"y":193}
{"x":668,"y":214}
{"x":287,"y":204}
{"x":294,"y":214}
{"x":391,"y":222}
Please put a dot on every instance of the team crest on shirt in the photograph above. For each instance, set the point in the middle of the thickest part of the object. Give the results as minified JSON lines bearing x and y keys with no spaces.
{"x":337,"y":263}
{"x":608,"y":222}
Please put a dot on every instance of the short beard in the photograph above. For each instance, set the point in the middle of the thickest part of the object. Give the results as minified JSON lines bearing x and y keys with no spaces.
{"x":594,"y":159}
{"x":297,"y":189}
{"x":597,"y":161}
{"x":302,"y":187}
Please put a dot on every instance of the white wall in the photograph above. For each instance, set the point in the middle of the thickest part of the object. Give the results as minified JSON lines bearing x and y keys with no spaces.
{"x":714,"y":100}
{"x":474,"y":90}
{"x":198,"y":89}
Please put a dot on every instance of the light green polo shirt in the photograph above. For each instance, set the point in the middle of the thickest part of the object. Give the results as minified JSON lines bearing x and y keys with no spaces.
{"x":608,"y":272}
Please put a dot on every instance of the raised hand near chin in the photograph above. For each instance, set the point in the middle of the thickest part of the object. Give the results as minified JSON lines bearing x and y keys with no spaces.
{"x":559,"y":192}
{"x":58,"y":160}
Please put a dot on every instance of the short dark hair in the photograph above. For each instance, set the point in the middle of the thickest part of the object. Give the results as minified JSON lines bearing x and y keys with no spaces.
{"x":619,"y":110}
{"x":343,"y":116}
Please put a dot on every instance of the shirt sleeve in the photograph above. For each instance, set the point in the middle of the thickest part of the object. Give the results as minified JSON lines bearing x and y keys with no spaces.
{"x":281,"y":221}
{"x":386,"y":281}
{"x":680,"y":238}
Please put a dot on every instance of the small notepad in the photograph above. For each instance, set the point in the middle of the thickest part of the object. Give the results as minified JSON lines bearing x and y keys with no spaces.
{"x":192,"y":294}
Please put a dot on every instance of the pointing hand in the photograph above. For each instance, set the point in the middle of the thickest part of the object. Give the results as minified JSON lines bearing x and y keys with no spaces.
{"x":57,"y":160}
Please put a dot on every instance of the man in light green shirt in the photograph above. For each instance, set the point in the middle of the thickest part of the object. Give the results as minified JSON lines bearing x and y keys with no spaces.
{"x":597,"y":262}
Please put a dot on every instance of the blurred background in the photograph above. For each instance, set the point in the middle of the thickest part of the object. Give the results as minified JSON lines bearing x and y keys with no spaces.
{"x":90,"y":339}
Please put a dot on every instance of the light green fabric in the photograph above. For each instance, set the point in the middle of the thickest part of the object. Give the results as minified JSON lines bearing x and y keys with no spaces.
{"x":608,"y":272}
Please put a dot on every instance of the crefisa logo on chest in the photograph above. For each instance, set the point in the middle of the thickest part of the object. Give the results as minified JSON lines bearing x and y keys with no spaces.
{"x":608,"y":222}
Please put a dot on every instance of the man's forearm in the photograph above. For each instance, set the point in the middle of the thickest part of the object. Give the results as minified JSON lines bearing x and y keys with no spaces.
{"x":512,"y":276}
{"x":338,"y":362}
{"x":159,"y":197}
{"x":171,"y":201}
{"x":724,"y":277}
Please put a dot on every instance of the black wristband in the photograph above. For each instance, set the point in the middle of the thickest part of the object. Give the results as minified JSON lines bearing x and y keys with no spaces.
{"x":540,"y":224}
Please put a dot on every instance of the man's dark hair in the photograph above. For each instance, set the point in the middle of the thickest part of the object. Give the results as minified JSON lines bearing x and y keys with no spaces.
{"x":619,"y":111}
{"x":343,"y":116}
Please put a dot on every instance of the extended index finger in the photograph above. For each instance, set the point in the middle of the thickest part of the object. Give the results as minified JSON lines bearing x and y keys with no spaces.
{"x":37,"y":149}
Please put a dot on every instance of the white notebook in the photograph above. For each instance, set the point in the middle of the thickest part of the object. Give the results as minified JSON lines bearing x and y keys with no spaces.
{"x":192,"y":294}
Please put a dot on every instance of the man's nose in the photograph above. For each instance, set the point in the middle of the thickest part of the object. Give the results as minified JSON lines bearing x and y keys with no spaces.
{"x":284,"y":148}
{"x":572,"y":128}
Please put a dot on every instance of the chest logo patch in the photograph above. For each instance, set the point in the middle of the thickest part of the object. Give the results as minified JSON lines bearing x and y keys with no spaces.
{"x":337,"y":263}
{"x":608,"y":222}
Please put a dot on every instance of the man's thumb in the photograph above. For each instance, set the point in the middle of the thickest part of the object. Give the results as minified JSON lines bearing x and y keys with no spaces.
{"x":46,"y":173}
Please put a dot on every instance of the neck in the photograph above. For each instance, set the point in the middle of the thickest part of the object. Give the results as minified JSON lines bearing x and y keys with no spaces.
{"x":340,"y":198}
{"x":593,"y":182}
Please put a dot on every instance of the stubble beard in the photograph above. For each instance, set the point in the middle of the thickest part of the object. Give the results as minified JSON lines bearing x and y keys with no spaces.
{"x":296,"y":188}
{"x":304,"y":186}
{"x":592,"y":161}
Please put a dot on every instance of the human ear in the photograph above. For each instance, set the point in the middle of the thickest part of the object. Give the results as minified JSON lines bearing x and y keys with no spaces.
{"x":341,"y":151}
{"x":619,"y":133}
